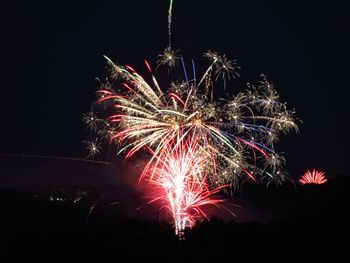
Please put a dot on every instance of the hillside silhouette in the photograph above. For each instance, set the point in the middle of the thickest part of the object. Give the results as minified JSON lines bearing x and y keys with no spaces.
{"x":49,"y":224}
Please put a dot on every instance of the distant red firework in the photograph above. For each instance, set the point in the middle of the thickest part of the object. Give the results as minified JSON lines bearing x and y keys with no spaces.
{"x":314,"y":177}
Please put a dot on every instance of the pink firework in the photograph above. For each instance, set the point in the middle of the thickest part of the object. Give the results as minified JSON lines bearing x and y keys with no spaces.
{"x":314,"y":177}
{"x":180,"y":174}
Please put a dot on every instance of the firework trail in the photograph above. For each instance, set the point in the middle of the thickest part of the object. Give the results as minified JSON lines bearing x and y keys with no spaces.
{"x":169,"y":56}
{"x":235,"y":135}
{"x":10,"y":155}
{"x":170,"y":14}
{"x":313,"y":177}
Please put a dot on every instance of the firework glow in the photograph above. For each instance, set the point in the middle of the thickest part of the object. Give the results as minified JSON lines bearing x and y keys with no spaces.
{"x":197,"y":143}
{"x":313,"y":177}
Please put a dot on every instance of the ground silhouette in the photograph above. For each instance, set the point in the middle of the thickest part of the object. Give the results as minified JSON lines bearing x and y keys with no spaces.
{"x":310,"y":223}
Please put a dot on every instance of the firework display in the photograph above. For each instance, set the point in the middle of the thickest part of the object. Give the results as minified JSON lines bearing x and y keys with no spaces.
{"x":197,"y":143}
{"x":313,"y":177}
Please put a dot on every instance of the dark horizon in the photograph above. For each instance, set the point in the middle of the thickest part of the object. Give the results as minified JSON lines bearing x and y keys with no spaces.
{"x":53,"y":53}
{"x":291,"y":224}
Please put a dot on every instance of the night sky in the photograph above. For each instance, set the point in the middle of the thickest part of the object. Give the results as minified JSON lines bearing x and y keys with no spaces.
{"x":53,"y":52}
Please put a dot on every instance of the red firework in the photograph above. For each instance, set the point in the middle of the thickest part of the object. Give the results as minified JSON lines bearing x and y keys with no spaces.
{"x":179,"y":173}
{"x":314,"y":177}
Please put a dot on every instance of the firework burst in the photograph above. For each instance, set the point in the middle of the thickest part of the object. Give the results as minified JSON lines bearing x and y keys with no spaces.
{"x":93,"y":147}
{"x":237,"y":133}
{"x":313,"y":177}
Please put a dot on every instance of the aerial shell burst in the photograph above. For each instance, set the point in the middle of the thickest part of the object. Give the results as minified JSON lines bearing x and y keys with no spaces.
{"x":195,"y":141}
{"x":238,"y":133}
